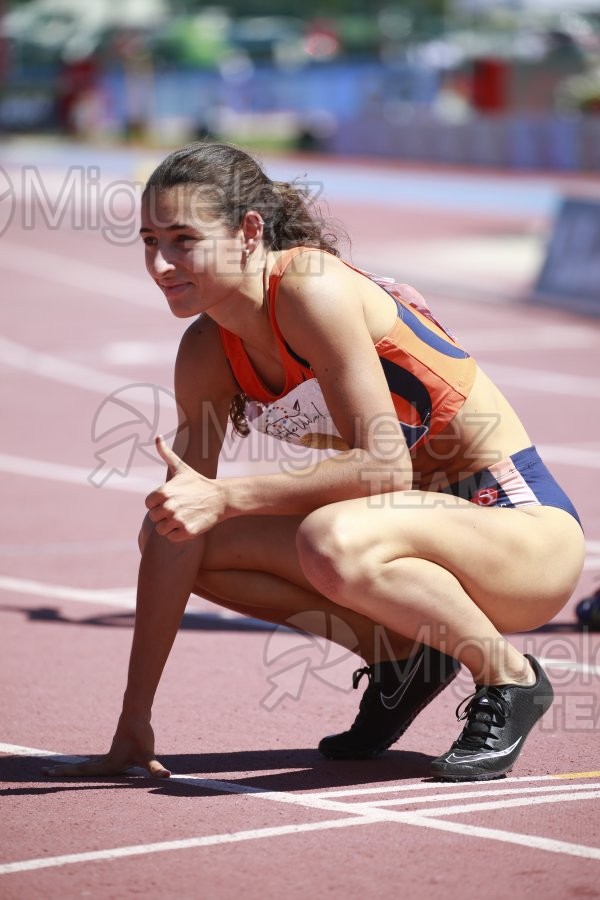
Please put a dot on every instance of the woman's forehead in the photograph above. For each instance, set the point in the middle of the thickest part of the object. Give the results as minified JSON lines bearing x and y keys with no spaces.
{"x":186,"y":204}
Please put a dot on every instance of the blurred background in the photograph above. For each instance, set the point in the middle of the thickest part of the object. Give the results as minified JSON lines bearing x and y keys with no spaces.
{"x":505,"y":83}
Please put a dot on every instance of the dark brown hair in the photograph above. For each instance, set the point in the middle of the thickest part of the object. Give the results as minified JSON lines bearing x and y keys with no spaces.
{"x":233,"y":183}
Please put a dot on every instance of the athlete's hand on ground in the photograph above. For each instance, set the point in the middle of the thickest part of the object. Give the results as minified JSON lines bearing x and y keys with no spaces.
{"x":186,"y":505}
{"x":132,"y":745}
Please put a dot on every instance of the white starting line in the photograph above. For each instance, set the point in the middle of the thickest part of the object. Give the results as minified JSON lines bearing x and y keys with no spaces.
{"x":354,"y":814}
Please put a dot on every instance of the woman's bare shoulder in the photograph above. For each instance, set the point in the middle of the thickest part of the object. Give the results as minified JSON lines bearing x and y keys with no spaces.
{"x":324,"y":290}
{"x":315,"y":279}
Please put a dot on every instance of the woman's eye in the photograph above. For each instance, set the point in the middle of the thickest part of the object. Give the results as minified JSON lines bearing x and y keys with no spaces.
{"x":149,"y":241}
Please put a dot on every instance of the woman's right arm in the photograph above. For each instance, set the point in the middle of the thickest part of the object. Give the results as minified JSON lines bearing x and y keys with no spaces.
{"x":204,"y":386}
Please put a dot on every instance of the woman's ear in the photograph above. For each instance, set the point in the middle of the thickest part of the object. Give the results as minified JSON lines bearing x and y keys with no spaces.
{"x":252,"y":229}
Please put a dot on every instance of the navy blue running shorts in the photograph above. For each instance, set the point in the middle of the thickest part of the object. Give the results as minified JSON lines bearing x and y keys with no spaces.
{"x":520,"y":480}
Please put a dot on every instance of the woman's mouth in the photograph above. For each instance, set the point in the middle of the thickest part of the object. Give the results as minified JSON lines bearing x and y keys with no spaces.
{"x":174,"y":290}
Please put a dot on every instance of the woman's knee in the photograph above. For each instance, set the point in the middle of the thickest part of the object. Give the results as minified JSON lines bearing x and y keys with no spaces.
{"x":331,"y":554}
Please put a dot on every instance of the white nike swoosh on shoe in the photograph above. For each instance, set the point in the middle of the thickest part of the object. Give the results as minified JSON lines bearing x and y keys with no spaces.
{"x":478,"y":757}
{"x":391,"y":701}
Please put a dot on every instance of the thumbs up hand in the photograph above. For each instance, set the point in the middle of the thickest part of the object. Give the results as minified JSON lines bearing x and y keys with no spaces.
{"x":169,"y":456}
{"x":188,"y":504}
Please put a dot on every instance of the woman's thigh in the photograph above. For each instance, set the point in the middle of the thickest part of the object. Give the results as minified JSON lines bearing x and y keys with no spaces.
{"x":257,"y":544}
{"x":525,"y":561}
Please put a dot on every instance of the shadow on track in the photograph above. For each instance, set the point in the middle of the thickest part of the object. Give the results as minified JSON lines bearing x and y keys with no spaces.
{"x":208,"y":621}
{"x":192,"y":621}
{"x":257,"y":769}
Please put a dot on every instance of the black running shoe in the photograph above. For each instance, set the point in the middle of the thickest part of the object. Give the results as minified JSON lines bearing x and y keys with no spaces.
{"x":499,"y":718}
{"x":396,"y":693}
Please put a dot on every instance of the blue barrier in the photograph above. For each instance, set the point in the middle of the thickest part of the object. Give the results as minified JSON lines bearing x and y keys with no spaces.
{"x":570,"y":275}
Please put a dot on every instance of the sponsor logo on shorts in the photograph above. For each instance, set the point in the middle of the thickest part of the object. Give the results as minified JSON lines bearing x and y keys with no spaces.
{"x":485,"y":496}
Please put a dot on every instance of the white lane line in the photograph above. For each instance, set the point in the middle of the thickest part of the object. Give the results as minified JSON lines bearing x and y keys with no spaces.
{"x":83,"y":276}
{"x":592,"y":561}
{"x":467,"y":795}
{"x":423,"y":819}
{"x":543,"y":381}
{"x":67,"y":474}
{"x":364,"y":816}
{"x":570,"y":456}
{"x":459,"y":808}
{"x":120,"y":597}
{"x":450,"y":786}
{"x":509,"y":837}
{"x":136,"y":353}
{"x":55,"y":368}
{"x":573,"y":666}
{"x":211,"y":840}
{"x":321,"y":802}
{"x":540,"y":337}
{"x":65,"y":548}
{"x":45,"y":365}
{"x":18,"y":750}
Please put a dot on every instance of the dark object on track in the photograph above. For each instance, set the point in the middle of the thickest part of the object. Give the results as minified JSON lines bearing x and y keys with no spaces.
{"x":588,"y":612}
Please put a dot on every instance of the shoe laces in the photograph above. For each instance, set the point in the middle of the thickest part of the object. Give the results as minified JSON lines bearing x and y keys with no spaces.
{"x":368,"y":698}
{"x":482,"y":710}
{"x":356,"y":676}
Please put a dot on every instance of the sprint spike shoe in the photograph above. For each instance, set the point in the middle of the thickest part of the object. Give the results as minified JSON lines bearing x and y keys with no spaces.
{"x":498,"y":719}
{"x":396,"y":693}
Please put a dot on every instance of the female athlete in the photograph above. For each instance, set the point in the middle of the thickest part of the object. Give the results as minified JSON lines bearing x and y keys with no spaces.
{"x":429,"y":525}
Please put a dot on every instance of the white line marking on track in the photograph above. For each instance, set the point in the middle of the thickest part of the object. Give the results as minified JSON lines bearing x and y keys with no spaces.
{"x":46,"y":365}
{"x":354,"y":816}
{"x":454,"y":810}
{"x":67,"y":474}
{"x":18,"y":750}
{"x":120,"y":597}
{"x":450,"y":786}
{"x":84,"y":276}
{"x":137,"y":353}
{"x":55,"y":368}
{"x":65,"y":548}
{"x":530,"y":841}
{"x":570,"y":456}
{"x":465,"y":795}
{"x":477,"y":340}
{"x":210,"y":840}
{"x":543,"y":381}
{"x":571,"y":665}
{"x":592,"y":561}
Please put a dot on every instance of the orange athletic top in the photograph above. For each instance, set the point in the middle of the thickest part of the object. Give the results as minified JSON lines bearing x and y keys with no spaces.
{"x":429,"y":375}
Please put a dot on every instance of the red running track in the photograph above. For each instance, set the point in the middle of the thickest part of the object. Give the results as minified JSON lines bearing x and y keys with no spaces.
{"x":252,"y":808}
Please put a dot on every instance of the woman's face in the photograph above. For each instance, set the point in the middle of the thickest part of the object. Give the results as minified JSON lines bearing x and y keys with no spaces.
{"x":193,"y":257}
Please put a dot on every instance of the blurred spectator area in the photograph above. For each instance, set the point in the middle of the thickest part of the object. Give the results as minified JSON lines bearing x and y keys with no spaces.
{"x":395,"y":81}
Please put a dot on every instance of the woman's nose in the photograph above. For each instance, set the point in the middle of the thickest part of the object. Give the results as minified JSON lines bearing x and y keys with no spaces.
{"x":159,"y":265}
